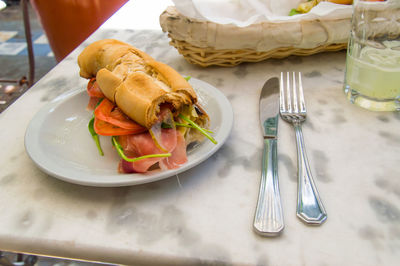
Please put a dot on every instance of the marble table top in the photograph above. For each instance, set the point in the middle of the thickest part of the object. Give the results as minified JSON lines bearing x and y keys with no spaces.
{"x":205,"y":215}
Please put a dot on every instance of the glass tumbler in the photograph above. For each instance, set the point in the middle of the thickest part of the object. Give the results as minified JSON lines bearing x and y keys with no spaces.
{"x":372,"y":77}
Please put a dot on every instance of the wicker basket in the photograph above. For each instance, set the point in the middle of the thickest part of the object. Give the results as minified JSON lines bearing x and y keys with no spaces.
{"x":188,"y":36}
{"x":207,"y":56}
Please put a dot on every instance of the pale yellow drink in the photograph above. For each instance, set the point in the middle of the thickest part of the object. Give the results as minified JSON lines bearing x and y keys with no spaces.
{"x":373,"y":76}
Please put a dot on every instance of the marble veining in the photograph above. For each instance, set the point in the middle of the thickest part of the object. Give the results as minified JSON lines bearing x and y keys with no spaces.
{"x":320,"y":163}
{"x":369,"y":232}
{"x":396,"y":115}
{"x":383,"y":119}
{"x":58,"y":86}
{"x":309,"y":123}
{"x":373,"y":235}
{"x":339,"y":119}
{"x":276,"y":62}
{"x":312,"y":74}
{"x":295,"y":60}
{"x":392,"y":137}
{"x":241,"y":71}
{"x":7,"y":179}
{"x":385,"y":210}
{"x":232,"y":158}
{"x":389,"y":183}
{"x":204,"y":216}
{"x":289,"y":165}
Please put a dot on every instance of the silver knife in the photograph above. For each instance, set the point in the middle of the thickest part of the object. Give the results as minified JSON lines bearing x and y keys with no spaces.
{"x":268,"y":219}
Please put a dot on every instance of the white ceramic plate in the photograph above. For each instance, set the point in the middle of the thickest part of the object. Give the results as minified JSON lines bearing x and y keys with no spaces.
{"x":58,"y":141}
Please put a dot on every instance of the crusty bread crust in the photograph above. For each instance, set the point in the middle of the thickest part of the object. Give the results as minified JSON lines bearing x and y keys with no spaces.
{"x":134,"y":81}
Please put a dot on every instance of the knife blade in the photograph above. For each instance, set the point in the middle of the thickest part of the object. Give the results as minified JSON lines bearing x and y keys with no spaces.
{"x":268,"y":218}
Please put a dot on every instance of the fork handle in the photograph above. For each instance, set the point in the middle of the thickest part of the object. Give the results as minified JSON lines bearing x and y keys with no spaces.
{"x":309,"y":205}
{"x":268,"y":219}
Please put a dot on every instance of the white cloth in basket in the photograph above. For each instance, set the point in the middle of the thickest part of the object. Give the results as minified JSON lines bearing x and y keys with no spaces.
{"x":243,"y":13}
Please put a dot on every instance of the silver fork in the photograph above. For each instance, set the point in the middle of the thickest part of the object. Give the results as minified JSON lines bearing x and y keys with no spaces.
{"x":292,"y":108}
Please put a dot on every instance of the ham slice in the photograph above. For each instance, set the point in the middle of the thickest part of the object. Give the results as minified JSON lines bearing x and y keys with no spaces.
{"x":143,"y":144}
{"x":93,"y":101}
{"x":178,"y":155}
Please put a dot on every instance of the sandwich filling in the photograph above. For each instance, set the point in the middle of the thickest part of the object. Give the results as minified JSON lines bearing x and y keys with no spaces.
{"x":149,"y":110}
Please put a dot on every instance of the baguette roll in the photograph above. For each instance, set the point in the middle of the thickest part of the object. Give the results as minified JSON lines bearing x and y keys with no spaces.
{"x":139,"y":85}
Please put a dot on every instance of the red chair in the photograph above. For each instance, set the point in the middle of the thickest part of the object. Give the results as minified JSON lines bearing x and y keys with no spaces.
{"x":67,"y":23}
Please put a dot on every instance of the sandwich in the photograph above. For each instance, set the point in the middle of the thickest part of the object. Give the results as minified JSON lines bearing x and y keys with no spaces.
{"x":150,"y":111}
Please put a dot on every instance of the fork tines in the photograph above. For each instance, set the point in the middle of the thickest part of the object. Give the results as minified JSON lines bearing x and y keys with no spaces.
{"x":292,"y":98}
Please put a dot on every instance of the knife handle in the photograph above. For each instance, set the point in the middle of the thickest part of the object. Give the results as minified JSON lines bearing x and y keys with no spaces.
{"x":268,"y":219}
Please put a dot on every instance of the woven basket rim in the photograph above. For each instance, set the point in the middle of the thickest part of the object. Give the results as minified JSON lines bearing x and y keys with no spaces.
{"x":231,"y":57}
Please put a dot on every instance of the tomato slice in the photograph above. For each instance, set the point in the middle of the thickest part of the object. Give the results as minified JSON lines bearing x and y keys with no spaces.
{"x":93,"y":89}
{"x":109,"y":112}
{"x":106,"y":129}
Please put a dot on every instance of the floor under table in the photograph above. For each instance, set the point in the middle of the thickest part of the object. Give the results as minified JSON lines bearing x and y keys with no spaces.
{"x":14,"y":62}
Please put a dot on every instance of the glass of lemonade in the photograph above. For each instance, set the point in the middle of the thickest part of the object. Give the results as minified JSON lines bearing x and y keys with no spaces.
{"x":372,"y":78}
